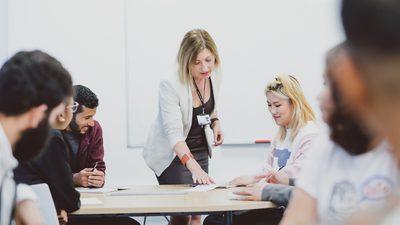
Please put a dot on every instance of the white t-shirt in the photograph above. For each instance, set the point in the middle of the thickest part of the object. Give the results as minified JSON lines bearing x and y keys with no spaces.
{"x":7,"y":185}
{"x":343,"y":184}
{"x":393,"y":217}
{"x":290,"y":155}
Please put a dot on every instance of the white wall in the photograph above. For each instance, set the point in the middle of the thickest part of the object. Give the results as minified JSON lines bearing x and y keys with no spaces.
{"x":88,"y":37}
{"x":3,"y":30}
{"x":268,"y":38}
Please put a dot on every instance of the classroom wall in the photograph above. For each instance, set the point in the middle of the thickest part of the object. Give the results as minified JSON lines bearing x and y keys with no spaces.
{"x":3,"y":30}
{"x":88,"y":37}
{"x":268,"y":38}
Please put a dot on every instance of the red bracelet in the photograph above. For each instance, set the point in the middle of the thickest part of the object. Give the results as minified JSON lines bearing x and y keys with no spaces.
{"x":186,"y":157}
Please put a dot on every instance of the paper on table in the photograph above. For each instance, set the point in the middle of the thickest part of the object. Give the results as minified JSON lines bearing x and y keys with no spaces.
{"x":202,"y":188}
{"x":225,"y":185}
{"x":95,"y":190}
{"x":130,"y":192}
{"x":90,"y":201}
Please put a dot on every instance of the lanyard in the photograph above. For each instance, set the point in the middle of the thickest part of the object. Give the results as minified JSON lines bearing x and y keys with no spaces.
{"x":199,"y":94}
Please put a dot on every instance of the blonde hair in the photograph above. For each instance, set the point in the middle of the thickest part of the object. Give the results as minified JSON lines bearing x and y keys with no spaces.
{"x":287,"y":87}
{"x":192,"y":44}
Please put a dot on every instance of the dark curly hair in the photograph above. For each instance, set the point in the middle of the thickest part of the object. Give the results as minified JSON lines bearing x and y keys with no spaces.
{"x":85,"y":97}
{"x":345,"y":128}
{"x":372,"y":25}
{"x":31,"y":78}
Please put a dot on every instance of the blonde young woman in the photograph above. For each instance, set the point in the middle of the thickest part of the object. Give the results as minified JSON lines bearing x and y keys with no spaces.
{"x":177,"y":147}
{"x":297,"y":129}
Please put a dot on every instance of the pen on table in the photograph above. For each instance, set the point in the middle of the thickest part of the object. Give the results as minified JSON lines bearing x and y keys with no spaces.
{"x":94,"y":167}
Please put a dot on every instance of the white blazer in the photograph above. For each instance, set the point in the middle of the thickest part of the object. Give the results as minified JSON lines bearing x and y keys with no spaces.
{"x":173,"y":122}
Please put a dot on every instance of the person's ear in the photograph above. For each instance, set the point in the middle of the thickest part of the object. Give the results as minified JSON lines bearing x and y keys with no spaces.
{"x":351,"y":85}
{"x":36,"y":115}
{"x":61,"y":117}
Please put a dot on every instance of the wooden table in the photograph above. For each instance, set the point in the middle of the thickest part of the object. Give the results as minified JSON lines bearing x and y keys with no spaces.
{"x":217,"y":200}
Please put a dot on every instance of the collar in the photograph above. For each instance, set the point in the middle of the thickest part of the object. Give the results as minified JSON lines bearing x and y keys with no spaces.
{"x":7,"y":159}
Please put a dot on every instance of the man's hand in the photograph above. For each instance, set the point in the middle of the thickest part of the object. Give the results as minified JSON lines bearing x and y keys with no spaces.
{"x":82,"y":178}
{"x":252,"y":193}
{"x":27,"y":213}
{"x":63,"y":217}
{"x":96,"y":179}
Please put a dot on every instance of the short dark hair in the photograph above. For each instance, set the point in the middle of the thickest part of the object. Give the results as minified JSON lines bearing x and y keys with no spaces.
{"x":346,"y":129}
{"x":85,"y":97}
{"x":31,"y":78}
{"x":372,"y":24}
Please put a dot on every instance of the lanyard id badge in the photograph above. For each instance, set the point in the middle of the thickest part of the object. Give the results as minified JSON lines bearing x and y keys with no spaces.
{"x":203,"y":119}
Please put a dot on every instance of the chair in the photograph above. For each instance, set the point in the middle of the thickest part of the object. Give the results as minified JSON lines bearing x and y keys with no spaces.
{"x":46,"y":204}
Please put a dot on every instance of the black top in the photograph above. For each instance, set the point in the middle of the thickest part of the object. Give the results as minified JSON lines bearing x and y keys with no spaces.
{"x":176,"y":173}
{"x":196,"y":137}
{"x":52,"y":167}
{"x":72,"y":140}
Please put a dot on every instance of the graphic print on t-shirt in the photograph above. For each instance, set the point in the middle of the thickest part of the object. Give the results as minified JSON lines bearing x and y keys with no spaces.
{"x":376,"y":187}
{"x":346,"y":198}
{"x":343,"y":199}
{"x":282,"y":155}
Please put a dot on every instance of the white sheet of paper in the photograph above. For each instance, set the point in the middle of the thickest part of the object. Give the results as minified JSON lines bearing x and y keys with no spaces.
{"x":225,"y":185}
{"x":96,"y":190}
{"x":130,"y":192}
{"x":202,"y":188}
{"x":90,"y":201}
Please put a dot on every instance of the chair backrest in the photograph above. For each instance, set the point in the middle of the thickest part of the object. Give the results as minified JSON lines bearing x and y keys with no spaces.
{"x":46,"y":204}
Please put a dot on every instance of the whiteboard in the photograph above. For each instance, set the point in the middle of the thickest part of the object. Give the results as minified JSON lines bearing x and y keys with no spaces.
{"x":256,"y":39}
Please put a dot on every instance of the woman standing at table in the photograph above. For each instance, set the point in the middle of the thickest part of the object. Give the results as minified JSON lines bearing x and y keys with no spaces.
{"x":179,"y":143}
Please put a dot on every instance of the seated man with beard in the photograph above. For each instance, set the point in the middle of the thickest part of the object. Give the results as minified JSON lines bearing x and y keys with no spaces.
{"x":85,"y":139}
{"x":33,"y":90}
